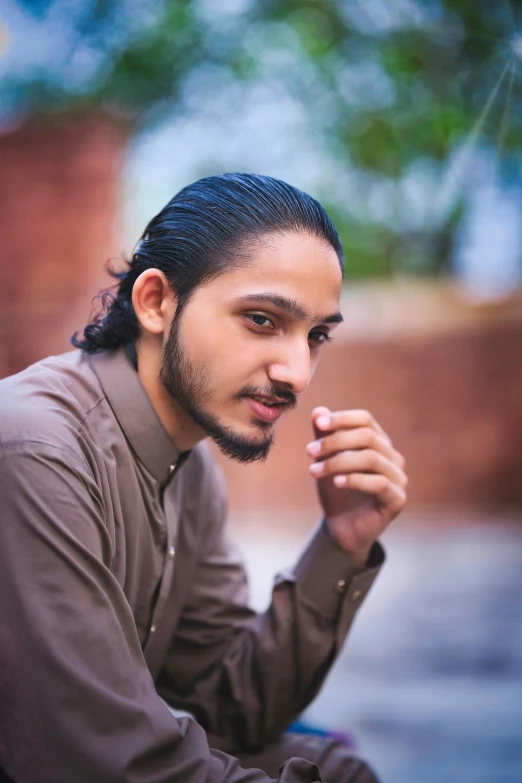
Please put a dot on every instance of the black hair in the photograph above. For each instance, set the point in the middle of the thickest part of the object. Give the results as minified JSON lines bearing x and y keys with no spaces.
{"x":204,"y":230}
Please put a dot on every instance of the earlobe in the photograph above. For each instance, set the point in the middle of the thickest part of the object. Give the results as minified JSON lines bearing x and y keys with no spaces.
{"x":149,"y":298}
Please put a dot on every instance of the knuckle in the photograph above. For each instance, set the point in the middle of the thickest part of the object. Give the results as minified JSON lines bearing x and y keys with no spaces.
{"x":383,"y":484}
{"x":402,"y":499}
{"x":372,"y":459}
{"x":402,"y":461}
{"x":370,"y":436}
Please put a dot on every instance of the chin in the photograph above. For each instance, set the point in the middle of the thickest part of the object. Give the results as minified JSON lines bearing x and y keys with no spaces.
{"x":257,"y":431}
{"x":243,"y":446}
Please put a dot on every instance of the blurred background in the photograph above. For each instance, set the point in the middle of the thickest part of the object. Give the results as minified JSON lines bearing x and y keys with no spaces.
{"x":404,"y":117}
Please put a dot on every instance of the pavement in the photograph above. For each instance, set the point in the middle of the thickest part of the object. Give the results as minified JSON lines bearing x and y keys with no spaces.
{"x":429,"y":682}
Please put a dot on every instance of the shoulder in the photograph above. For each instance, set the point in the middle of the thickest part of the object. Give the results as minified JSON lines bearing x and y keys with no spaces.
{"x":46,"y":404}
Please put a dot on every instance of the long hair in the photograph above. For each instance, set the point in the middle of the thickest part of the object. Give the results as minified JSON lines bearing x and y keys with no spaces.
{"x":207,"y":228}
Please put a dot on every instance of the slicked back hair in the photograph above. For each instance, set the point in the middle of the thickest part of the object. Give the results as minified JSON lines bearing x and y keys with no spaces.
{"x":208,"y":228}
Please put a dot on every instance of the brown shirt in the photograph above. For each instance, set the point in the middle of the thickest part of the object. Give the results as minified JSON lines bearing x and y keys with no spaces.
{"x":118,"y":586}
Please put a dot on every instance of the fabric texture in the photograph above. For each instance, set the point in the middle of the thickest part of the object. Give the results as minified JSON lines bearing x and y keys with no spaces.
{"x":120,"y":588}
{"x":335,"y":761}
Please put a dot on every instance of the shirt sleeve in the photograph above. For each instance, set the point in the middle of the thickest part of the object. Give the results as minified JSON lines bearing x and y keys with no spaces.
{"x":247,"y":676}
{"x":77,"y":701}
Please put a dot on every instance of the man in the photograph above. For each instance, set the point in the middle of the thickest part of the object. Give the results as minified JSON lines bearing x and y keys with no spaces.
{"x":127,"y":650}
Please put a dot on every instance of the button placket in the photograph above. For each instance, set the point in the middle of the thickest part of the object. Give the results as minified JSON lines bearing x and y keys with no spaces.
{"x":166,"y":583}
{"x":166,"y":578}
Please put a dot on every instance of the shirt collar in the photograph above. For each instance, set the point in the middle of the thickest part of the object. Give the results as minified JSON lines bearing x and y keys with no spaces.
{"x":136,"y":415}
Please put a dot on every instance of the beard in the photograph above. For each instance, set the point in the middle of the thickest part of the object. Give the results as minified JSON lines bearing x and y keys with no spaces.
{"x":190,"y":385}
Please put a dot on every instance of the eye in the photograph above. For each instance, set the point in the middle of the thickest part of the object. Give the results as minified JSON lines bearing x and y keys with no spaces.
{"x":319,"y":337}
{"x":259,"y":320}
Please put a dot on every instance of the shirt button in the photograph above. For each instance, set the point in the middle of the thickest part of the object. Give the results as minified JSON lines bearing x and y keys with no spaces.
{"x":172,"y":468}
{"x":340,"y":587}
{"x":152,"y":628}
{"x":172,"y":551}
{"x":355,"y":595}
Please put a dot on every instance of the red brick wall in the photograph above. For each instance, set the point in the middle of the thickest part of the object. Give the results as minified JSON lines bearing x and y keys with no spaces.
{"x":59,"y":193}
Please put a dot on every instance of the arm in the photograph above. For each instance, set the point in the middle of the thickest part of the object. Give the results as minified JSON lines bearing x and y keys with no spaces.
{"x":247,"y":676}
{"x":77,"y":701}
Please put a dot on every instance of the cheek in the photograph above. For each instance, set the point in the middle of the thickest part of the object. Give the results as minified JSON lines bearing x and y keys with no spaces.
{"x":225,"y":358}
{"x":224,"y":350}
{"x":235,"y":368}
{"x":240,"y":362}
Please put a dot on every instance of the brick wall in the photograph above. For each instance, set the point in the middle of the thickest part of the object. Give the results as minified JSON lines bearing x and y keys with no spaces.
{"x":59,"y":193}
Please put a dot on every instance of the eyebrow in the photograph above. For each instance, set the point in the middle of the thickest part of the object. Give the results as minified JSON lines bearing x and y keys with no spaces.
{"x":293,"y":308}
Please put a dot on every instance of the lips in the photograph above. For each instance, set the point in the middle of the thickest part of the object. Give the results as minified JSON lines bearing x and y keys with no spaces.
{"x":268,"y":413}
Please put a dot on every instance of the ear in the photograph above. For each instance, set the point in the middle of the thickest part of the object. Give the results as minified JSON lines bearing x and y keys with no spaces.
{"x":153,"y":301}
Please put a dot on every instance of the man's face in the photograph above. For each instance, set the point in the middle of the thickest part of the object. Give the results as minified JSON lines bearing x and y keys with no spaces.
{"x":247,"y":343}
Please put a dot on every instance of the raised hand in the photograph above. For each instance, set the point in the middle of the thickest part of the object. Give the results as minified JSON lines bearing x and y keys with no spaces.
{"x":360,"y":477}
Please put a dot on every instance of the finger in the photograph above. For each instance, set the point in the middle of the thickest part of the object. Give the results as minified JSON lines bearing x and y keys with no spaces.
{"x":388,"y":494}
{"x":359,"y":438}
{"x":348,"y":419}
{"x":358,"y":461}
{"x":321,"y":410}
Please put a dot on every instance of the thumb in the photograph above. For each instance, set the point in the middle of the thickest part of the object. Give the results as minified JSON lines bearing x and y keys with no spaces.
{"x":321,"y":410}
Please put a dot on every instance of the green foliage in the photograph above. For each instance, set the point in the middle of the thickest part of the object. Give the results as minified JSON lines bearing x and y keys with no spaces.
{"x":388,"y":86}
{"x":440,"y":77}
{"x":139,"y":58}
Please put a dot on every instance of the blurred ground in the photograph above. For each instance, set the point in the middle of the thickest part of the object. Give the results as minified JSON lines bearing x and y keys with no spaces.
{"x":430,"y":679}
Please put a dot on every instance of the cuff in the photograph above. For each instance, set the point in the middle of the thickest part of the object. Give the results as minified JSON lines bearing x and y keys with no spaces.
{"x":326,"y":576}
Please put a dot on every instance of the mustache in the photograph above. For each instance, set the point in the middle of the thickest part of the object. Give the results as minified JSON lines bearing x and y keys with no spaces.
{"x":273,"y":391}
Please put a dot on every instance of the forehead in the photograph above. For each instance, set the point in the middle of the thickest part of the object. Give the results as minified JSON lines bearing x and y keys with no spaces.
{"x":300,"y":266}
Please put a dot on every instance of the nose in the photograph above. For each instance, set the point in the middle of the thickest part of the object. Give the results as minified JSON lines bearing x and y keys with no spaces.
{"x":292,"y":367}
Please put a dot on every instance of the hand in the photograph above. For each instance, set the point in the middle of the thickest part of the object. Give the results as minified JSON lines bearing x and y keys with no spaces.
{"x":360,"y":478}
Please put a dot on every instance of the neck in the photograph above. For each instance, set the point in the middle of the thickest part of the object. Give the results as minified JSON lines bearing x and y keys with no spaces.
{"x":179,"y":426}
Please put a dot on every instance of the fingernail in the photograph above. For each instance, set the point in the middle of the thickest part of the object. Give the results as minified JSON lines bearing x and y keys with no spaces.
{"x":339,"y":481}
{"x":322,"y":422}
{"x":317,"y":468}
{"x":314,"y":448}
